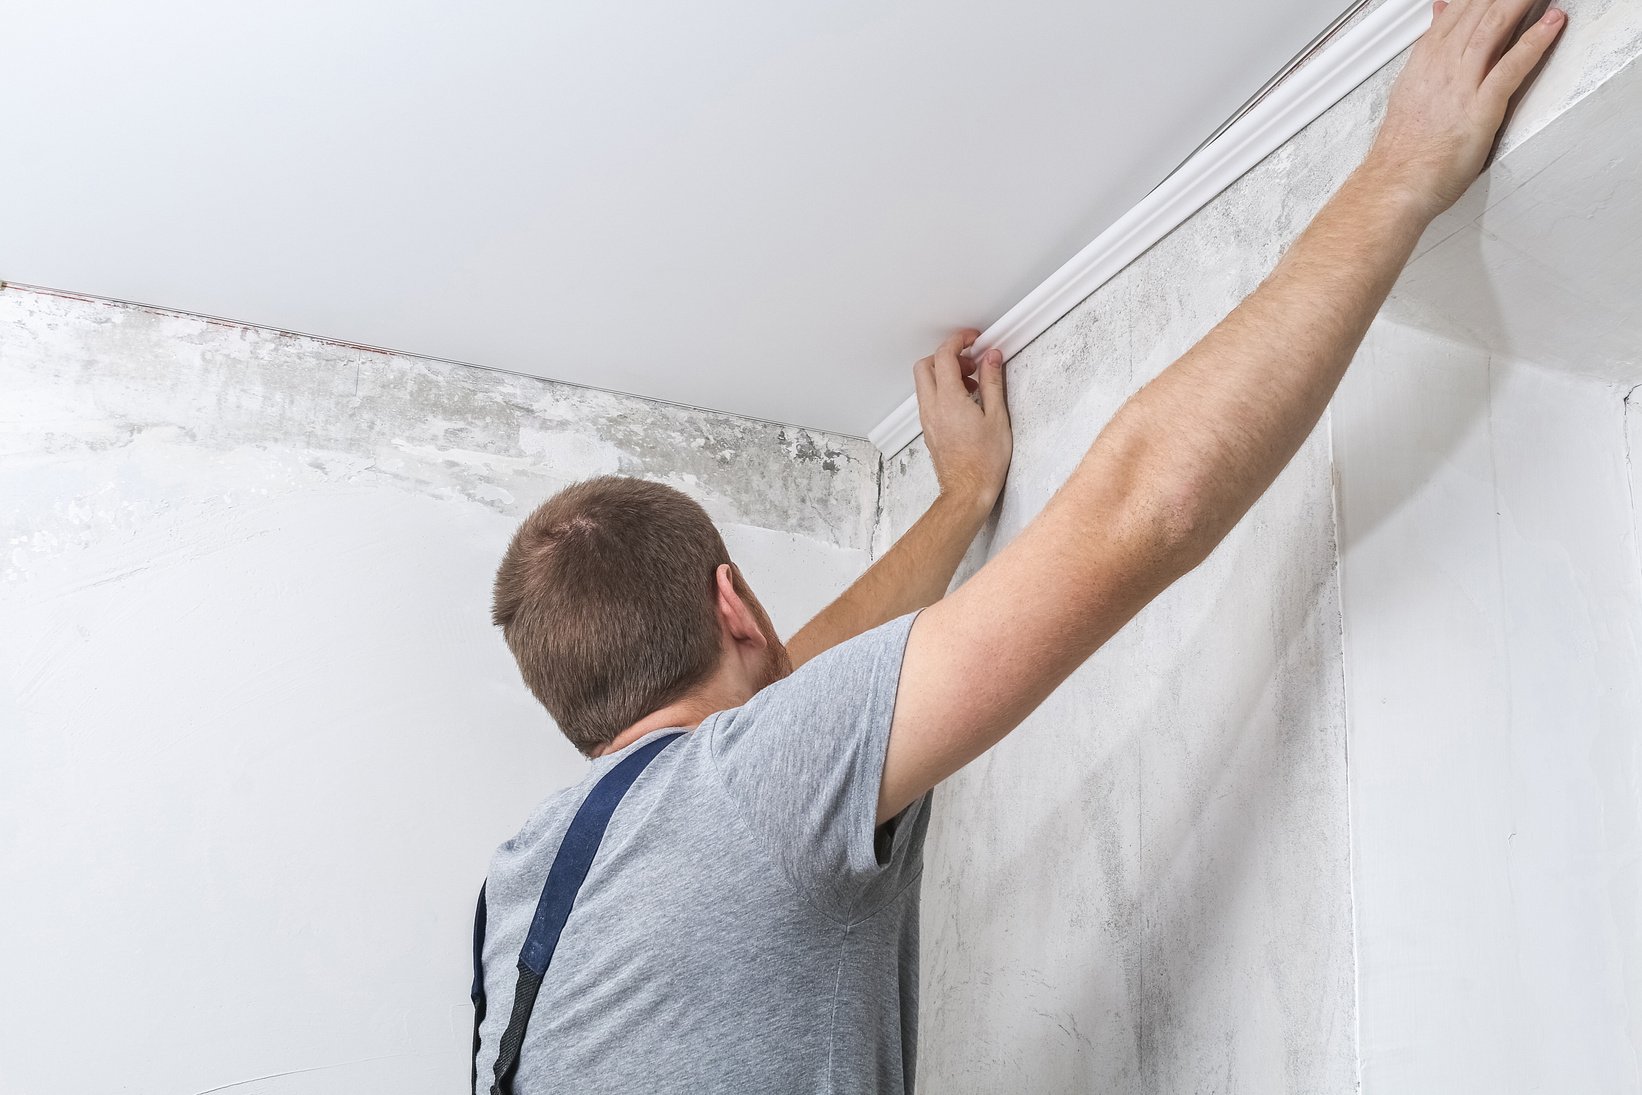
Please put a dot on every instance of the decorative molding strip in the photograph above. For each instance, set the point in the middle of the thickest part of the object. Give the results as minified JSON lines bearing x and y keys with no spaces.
{"x":1332,"y":74}
{"x":900,"y":427}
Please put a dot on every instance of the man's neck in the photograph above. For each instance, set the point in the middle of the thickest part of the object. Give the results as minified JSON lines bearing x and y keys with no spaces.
{"x":687,"y":713}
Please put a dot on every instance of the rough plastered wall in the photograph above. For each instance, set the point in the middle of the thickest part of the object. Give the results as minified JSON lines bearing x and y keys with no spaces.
{"x":257,"y":735}
{"x":1149,"y":886}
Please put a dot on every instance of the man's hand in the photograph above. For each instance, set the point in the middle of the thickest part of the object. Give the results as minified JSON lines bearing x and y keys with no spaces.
{"x":1450,"y":98}
{"x":965,"y":417}
{"x":969,"y":444}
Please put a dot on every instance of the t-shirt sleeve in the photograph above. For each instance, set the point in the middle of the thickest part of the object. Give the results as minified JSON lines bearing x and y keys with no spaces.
{"x":801,"y":763}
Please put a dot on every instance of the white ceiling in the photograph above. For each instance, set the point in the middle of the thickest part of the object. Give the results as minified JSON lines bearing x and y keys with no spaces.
{"x":762,"y":207}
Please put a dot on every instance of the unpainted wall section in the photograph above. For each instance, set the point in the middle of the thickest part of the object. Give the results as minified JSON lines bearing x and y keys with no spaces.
{"x":259,"y":737}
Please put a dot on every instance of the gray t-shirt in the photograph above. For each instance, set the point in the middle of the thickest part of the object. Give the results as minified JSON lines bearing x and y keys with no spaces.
{"x":743,"y":928}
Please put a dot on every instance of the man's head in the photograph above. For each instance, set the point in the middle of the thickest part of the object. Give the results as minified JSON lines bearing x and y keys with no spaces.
{"x":618,"y":598}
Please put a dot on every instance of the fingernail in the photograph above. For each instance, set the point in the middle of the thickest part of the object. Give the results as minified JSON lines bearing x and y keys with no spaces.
{"x":1553,"y":16}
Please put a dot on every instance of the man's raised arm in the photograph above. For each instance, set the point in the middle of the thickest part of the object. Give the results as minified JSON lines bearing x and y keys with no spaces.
{"x":969,"y":443}
{"x":1187,"y":455}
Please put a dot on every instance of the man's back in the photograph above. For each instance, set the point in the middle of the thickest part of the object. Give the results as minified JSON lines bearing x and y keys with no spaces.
{"x":739,"y":930}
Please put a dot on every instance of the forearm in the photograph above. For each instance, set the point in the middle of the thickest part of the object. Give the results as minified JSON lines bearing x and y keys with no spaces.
{"x":912,"y":574}
{"x":1201,"y":442}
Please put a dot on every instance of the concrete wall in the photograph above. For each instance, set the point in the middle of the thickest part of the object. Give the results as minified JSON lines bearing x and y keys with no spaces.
{"x":257,"y":736}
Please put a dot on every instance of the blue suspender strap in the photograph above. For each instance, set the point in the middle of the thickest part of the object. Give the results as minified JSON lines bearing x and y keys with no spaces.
{"x":564,"y":880}
{"x":478,"y":992}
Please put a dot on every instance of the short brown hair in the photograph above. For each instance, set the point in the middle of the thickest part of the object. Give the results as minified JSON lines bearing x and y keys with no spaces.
{"x":606,"y":598}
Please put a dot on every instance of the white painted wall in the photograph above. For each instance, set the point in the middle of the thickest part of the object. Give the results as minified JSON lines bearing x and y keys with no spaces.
{"x":257,"y":736}
{"x":1493,"y":653}
{"x":1492,"y":594}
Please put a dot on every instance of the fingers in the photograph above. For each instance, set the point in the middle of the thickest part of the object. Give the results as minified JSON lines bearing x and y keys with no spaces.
{"x":923,"y":380}
{"x":993,"y":399}
{"x":948,"y":369}
{"x":1440,"y":26}
{"x":1493,"y":33}
{"x":1520,"y":60}
{"x":1464,"y":15}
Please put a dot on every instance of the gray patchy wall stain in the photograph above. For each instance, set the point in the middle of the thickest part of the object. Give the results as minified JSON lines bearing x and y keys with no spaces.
{"x":497,"y":439}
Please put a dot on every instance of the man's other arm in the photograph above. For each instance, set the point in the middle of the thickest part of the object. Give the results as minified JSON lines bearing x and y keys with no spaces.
{"x":1187,"y":455}
{"x":967,"y":435}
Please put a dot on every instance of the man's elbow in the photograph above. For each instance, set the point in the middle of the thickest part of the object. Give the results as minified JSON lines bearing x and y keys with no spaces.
{"x":1164,"y":497}
{"x":1176,"y":526}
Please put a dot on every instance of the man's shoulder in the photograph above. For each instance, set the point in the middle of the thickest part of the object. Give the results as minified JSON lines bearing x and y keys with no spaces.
{"x":678,"y":762}
{"x":839,"y":675}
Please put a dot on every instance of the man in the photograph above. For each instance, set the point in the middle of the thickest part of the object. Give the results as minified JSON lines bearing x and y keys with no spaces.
{"x":749,"y":921}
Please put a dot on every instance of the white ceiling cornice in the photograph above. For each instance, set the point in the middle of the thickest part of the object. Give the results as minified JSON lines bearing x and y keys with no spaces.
{"x":1330,"y":76}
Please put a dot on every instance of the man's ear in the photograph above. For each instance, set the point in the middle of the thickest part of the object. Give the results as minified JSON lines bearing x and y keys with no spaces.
{"x":734,"y":613}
